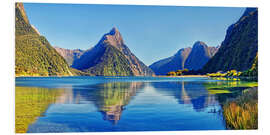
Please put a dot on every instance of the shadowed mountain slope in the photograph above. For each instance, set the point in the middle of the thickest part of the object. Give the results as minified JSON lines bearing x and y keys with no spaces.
{"x":190,"y":58}
{"x":111,"y":57}
{"x":173,"y":63}
{"x":199,"y":56}
{"x":240,"y":46}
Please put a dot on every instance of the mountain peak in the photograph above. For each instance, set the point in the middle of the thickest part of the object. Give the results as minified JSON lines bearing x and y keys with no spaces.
{"x":111,"y":57}
{"x":242,"y":35}
{"x":199,"y":43}
{"x":198,"y":56}
{"x":39,"y":49}
{"x":182,"y":50}
{"x":114,"y":31}
{"x":248,"y":11}
{"x":112,"y":38}
{"x":20,"y":6}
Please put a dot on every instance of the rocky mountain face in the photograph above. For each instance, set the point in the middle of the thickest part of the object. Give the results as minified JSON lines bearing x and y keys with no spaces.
{"x":240,"y":46}
{"x":173,"y":63}
{"x":199,"y":56}
{"x":213,"y":50}
{"x":69,"y":54}
{"x":34,"y":55}
{"x":190,"y":58}
{"x":111,"y":57}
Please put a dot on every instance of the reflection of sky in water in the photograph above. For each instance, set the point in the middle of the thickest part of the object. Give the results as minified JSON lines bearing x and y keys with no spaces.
{"x":54,"y":82}
{"x":131,"y":105}
{"x":70,"y":108}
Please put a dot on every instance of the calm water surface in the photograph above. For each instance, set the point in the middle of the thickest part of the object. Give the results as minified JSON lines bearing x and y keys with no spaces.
{"x":86,"y":104}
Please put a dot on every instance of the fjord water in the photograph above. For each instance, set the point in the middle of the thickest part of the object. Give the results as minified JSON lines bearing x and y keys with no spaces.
{"x":86,"y":104}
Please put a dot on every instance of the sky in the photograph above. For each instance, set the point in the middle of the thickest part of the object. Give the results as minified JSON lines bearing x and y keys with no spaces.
{"x":151,"y":32}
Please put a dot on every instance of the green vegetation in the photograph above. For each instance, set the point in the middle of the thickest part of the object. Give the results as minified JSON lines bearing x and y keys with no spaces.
{"x":228,"y":85}
{"x":22,"y":25}
{"x":253,"y":71}
{"x":111,"y":57}
{"x":111,"y":63}
{"x":112,"y":97}
{"x":239,"y":100}
{"x":114,"y":94}
{"x":178,"y":72}
{"x":240,"y":46}
{"x":34,"y":56}
{"x":30,"y":103}
{"x":231,"y":73}
{"x":218,"y":91}
{"x":76,"y":72}
{"x":242,"y":112}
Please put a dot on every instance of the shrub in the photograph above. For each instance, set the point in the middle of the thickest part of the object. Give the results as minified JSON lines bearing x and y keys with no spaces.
{"x":242,"y":113}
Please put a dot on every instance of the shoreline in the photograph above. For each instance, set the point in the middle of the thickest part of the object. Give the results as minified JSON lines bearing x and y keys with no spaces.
{"x":183,"y":76}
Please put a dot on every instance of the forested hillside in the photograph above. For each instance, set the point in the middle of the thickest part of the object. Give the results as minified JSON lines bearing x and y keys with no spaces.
{"x":34,"y":54}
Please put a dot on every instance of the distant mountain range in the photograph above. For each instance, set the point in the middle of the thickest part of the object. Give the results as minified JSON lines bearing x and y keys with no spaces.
{"x":111,"y":57}
{"x":69,"y":54}
{"x":238,"y":51}
{"x":173,"y":63}
{"x":199,"y":56}
{"x":240,"y":46}
{"x":34,"y":56}
{"x":190,"y":58}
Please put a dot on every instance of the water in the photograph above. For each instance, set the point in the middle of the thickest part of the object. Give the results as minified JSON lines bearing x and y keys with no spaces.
{"x":107,"y":104}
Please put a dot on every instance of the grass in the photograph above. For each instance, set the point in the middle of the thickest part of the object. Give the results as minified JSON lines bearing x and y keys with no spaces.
{"x":228,"y":86}
{"x":242,"y":112}
{"x":218,"y":91}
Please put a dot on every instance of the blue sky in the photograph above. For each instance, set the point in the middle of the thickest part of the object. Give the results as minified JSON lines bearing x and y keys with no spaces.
{"x":150,"y":32}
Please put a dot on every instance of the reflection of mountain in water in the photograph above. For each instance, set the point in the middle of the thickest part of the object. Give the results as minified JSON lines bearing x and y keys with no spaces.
{"x":93,"y":107}
{"x":112,"y":97}
{"x":187,"y":93}
{"x":31,"y":103}
{"x":109,"y":98}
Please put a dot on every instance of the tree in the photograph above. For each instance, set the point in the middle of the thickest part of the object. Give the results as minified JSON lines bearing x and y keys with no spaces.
{"x":172,"y":73}
{"x":179,"y":72}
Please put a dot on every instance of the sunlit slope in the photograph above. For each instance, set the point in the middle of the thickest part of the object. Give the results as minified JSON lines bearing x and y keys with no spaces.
{"x":34,"y":54}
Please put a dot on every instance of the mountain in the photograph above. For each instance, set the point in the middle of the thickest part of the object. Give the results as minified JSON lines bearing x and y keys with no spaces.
{"x":213,"y":50}
{"x":254,"y":67}
{"x":173,"y":63}
{"x":69,"y":54}
{"x":111,"y":57}
{"x":253,"y":71}
{"x":240,"y":46}
{"x":190,"y":58}
{"x":34,"y":56}
{"x":199,"y":56}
